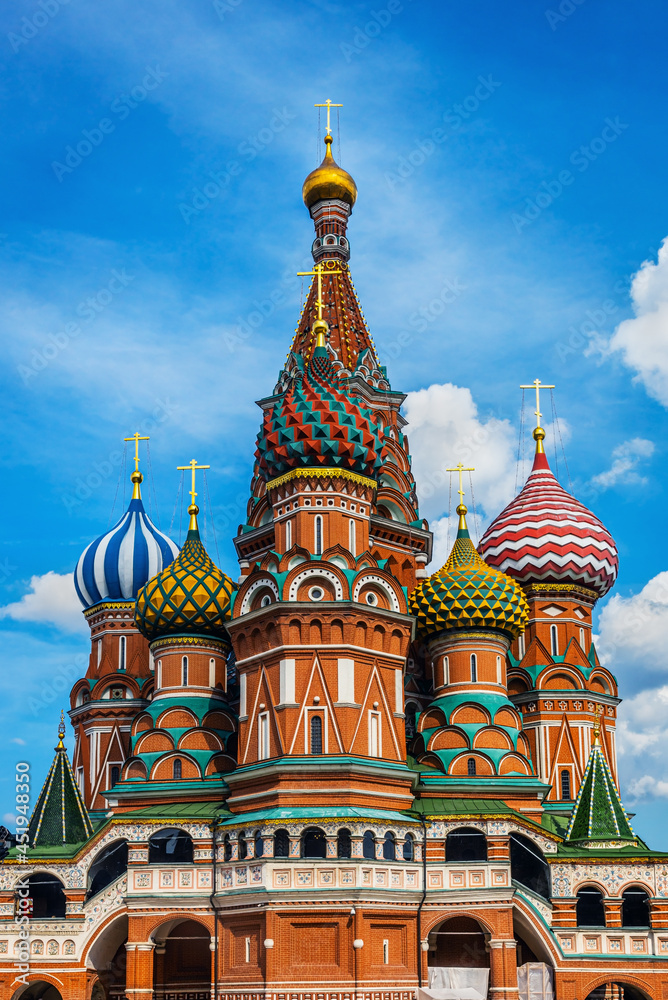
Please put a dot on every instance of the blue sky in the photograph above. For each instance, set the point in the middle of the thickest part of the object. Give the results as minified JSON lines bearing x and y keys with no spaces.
{"x":511,"y":212}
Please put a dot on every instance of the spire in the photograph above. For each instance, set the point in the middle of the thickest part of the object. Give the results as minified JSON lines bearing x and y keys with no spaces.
{"x":60,"y":816}
{"x":193,"y":509}
{"x":136,"y":478}
{"x":598,"y":813}
{"x":540,"y":460}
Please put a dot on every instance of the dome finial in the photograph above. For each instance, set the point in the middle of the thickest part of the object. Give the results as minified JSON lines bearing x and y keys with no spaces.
{"x":462,"y":509}
{"x":320,"y":327}
{"x":193,"y":509}
{"x":539,"y":432}
{"x":61,"y":731}
{"x":329,"y":181}
{"x":136,"y":478}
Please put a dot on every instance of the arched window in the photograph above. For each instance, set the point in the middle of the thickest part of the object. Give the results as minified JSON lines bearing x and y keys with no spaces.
{"x":178,"y":769}
{"x":99,"y":652}
{"x":281,"y":844}
{"x":389,"y":847}
{"x":409,"y":848}
{"x":554,"y":640}
{"x":582,"y":640}
{"x":446,"y":670}
{"x":369,"y":845}
{"x":46,"y":893}
{"x":122,"y":646}
{"x":411,"y":712}
{"x":343,"y":844}
{"x":318,"y":535}
{"x":314,"y":843}
{"x":212,"y":672}
{"x":521,"y":649}
{"x":288,"y":535}
{"x":242,"y":845}
{"x":566,"y":785}
{"x":589,"y":907}
{"x":227,"y":847}
{"x":528,"y":866}
{"x":499,"y":670}
{"x":259,"y":844}
{"x":107,"y":867}
{"x":170,"y":846}
{"x":352,"y":541}
{"x":184,"y":671}
{"x":474,"y":667}
{"x":114,"y":775}
{"x":635,"y":907}
{"x":470,"y":767}
{"x":466,"y":844}
{"x":316,"y":734}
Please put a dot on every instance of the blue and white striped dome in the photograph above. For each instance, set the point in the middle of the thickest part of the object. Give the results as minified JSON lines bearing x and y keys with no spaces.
{"x":117,"y":564}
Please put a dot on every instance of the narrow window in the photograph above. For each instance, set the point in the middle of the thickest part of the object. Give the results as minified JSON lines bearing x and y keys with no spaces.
{"x":554,"y":640}
{"x":122,"y":642}
{"x":343,"y":844}
{"x":409,"y":848}
{"x":386,"y":952}
{"x":446,"y":670}
{"x":263,"y":736}
{"x":115,"y":775}
{"x":178,"y":770}
{"x":227,"y":847}
{"x":259,"y":844}
{"x":389,"y":848}
{"x":159,"y":673}
{"x":499,"y":670}
{"x":281,"y":844}
{"x":151,"y":662}
{"x":242,"y":696}
{"x":243,"y":846}
{"x":470,"y":767}
{"x":474,"y":667}
{"x":316,"y":734}
{"x":566,"y":786}
{"x":212,"y":672}
{"x":288,"y":535}
{"x":318,"y":535}
{"x":374,"y":735}
{"x":248,"y":942}
{"x":520,"y":647}
{"x":582,"y":640}
{"x":352,"y":542}
{"x":369,"y":845}
{"x":184,"y":671}
{"x":99,"y":652}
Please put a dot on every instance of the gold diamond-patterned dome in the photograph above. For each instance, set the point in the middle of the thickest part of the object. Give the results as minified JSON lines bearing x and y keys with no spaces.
{"x":467,"y":593}
{"x":191,"y":596}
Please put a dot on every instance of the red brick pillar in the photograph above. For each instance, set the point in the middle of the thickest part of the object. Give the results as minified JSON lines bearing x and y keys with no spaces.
{"x":613,"y":913}
{"x":503,"y":969}
{"x":269,"y":948}
{"x":139,"y":973}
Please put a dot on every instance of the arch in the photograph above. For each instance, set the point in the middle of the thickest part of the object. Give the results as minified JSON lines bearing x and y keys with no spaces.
{"x":343,"y":844}
{"x":369,"y":845}
{"x":513,"y":763}
{"x":461,"y":765}
{"x":561,"y":680}
{"x":528,"y":865}
{"x":635,"y":907}
{"x":408,"y":849}
{"x":258,"y":844}
{"x":507,"y":717}
{"x":599,"y":684}
{"x":281,"y":844}
{"x":136,"y":770}
{"x":492,"y":739}
{"x":470,"y":715}
{"x":389,"y":847}
{"x":316,"y":573}
{"x":366,"y":578}
{"x":200,"y":739}
{"x":618,"y":990}
{"x":458,"y":942}
{"x":157,"y":741}
{"x":47,"y":895}
{"x":264,"y":583}
{"x":433,"y":719}
{"x":449,"y":739}
{"x":186,"y":958}
{"x":314,"y":843}
{"x":38,"y":989}
{"x":171,"y":845}
{"x":177,"y":718}
{"x":109,"y":864}
{"x":466,"y":844}
{"x":589,"y":907}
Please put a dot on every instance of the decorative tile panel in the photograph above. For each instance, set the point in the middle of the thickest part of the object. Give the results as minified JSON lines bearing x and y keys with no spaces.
{"x":143,"y":880}
{"x":166,"y":880}
{"x":282,"y":878}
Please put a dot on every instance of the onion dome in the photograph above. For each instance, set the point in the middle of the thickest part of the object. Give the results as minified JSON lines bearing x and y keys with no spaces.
{"x":545,"y":535}
{"x":467,"y":593}
{"x":192,"y":596}
{"x":316,"y":424}
{"x":118,"y":563}
{"x":329,"y":181}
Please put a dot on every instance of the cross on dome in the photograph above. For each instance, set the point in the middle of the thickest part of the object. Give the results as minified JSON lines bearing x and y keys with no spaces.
{"x":193,"y":509}
{"x":136,"y":476}
{"x":328,"y":104}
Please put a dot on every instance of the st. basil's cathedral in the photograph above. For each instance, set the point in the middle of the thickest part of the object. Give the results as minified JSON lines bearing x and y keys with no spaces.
{"x":339,"y":777}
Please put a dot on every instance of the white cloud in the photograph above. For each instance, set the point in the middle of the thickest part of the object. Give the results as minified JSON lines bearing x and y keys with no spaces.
{"x":9,"y":820}
{"x":625,"y":459}
{"x":17,"y":739}
{"x":51,"y":600}
{"x":632,"y":630}
{"x":643,"y":341}
{"x":444,"y":429}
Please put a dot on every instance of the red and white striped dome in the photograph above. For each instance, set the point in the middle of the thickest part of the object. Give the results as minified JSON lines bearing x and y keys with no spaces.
{"x":546,"y":535}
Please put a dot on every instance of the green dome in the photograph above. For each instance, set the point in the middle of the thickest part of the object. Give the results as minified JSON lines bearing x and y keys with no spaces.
{"x":467,"y":593}
{"x":190,"y":596}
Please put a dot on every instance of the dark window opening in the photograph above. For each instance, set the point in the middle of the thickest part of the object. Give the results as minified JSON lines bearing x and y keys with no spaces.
{"x":466,"y":844}
{"x":115,"y":776}
{"x":409,"y":848}
{"x":242,"y":846}
{"x":281,"y":844}
{"x":589,"y":908}
{"x":170,"y":846}
{"x":259,"y":845}
{"x":314,"y":843}
{"x":389,"y":848}
{"x":528,"y":866}
{"x":227,"y":847}
{"x":316,"y":734}
{"x":369,"y":845}
{"x":566,"y":785}
{"x":635,"y":908}
{"x":343,"y":844}
{"x":107,"y":867}
{"x":470,"y":767}
{"x":178,"y":769}
{"x":46,"y":893}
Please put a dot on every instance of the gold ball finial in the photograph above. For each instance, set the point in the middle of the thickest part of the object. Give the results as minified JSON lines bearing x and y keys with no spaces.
{"x":462,"y":509}
{"x":136,"y":477}
{"x":320,"y":329}
{"x":539,"y":434}
{"x":193,"y":510}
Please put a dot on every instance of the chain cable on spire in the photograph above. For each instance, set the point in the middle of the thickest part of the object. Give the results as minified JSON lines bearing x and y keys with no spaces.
{"x":447,"y":537}
{"x":561,"y":442}
{"x":210,"y":510}
{"x":476,"y":520}
{"x":520,"y":447}
{"x":118,"y":483}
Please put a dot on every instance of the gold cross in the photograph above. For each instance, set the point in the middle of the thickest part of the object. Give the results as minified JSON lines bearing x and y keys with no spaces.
{"x":318,"y":271}
{"x":537,"y":385}
{"x":192,"y":466}
{"x":597,"y":724}
{"x":460,"y":469}
{"x":328,"y":104}
{"x":137,"y":437}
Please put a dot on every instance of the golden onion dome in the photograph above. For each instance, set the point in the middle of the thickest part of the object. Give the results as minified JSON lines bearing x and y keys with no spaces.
{"x":329,"y":181}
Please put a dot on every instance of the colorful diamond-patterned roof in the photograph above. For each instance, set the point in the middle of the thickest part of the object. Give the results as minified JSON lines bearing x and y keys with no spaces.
{"x":546,"y":535}
{"x":316,"y":424}
{"x":467,"y":593}
{"x":191,"y":596}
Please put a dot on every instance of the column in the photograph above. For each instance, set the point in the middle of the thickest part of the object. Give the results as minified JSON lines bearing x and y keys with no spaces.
{"x":139,"y":972}
{"x":503,"y":969}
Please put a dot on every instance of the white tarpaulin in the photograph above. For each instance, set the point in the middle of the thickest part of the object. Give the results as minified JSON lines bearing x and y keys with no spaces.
{"x":535,"y":981}
{"x":456,"y":984}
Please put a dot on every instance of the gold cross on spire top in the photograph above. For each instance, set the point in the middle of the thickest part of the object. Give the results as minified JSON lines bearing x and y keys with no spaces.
{"x":461,"y":507}
{"x":136,"y":476}
{"x":193,"y":510}
{"x":539,"y":433}
{"x":61,"y":731}
{"x":320,"y":327}
{"x":328,"y":104}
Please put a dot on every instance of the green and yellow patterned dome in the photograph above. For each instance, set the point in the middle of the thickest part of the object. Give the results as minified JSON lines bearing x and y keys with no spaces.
{"x":467,"y":593}
{"x":189,"y":597}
